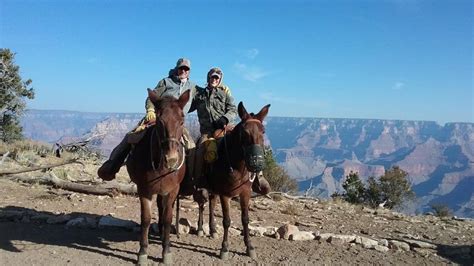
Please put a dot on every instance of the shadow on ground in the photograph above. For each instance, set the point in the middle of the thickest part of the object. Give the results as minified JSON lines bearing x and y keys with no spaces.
{"x":17,"y":236}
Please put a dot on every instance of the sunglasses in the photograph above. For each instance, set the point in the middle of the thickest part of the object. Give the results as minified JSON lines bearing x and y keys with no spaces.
{"x":215,"y":77}
{"x":183,"y":68}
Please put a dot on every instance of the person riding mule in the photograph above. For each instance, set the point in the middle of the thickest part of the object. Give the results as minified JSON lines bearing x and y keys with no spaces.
{"x":174,"y":85}
{"x":156,"y":165}
{"x":216,"y":113}
{"x":215,"y":109}
{"x":240,"y":159}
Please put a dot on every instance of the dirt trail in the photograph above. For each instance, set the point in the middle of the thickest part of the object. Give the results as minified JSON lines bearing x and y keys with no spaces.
{"x":27,"y":238}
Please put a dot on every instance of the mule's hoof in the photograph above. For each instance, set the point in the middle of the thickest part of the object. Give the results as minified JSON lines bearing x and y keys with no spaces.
{"x":214,"y":235}
{"x":142,"y":260}
{"x":200,"y":233}
{"x":168,"y":258}
{"x":224,"y":255}
{"x":252,"y":253}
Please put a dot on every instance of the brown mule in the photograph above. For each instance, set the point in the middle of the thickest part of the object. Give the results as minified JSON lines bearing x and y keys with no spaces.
{"x":240,"y":158}
{"x":156,"y":165}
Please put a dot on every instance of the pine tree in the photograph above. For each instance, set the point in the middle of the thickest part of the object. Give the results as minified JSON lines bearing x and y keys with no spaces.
{"x":13,"y":91}
{"x":354,"y":188}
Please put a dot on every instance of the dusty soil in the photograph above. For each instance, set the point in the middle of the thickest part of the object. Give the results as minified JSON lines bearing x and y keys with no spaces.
{"x":28,"y":241}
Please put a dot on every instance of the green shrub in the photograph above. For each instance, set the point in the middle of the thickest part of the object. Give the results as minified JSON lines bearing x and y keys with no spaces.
{"x":392,"y":189}
{"x":277,"y":176}
{"x":354,"y":188}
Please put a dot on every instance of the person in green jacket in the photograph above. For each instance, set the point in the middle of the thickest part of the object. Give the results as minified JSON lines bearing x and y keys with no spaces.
{"x":216,"y":109}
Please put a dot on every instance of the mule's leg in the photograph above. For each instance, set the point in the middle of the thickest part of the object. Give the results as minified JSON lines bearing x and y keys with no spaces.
{"x":200,"y":231}
{"x":244,"y":207}
{"x":200,"y":197}
{"x":145,"y":206}
{"x":168,"y":202}
{"x":226,"y":224}
{"x":159,"y":203}
{"x":212,"y":221}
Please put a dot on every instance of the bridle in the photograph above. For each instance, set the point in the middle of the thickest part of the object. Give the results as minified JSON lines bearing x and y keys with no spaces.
{"x":161,"y":143}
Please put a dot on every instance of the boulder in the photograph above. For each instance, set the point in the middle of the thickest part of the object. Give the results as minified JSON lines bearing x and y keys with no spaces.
{"x":257,"y":230}
{"x":271,"y":231}
{"x":341,"y":239}
{"x":420,"y":244}
{"x":302,"y":235}
{"x":286,"y":230}
{"x":366,"y":242}
{"x":324,"y":236}
{"x":381,"y":248}
{"x":398,"y":245}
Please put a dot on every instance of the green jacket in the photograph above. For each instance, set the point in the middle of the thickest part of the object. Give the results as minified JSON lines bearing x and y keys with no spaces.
{"x":212,"y":104}
{"x":172,"y":86}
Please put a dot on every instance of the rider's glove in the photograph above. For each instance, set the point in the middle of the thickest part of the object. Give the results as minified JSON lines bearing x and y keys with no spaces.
{"x":150,"y":115}
{"x":220,"y":123}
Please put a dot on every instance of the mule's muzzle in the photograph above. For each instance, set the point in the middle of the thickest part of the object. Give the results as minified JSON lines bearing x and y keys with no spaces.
{"x":172,"y":161}
{"x":254,"y":158}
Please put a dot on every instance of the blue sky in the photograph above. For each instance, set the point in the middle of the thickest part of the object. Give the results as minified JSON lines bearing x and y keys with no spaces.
{"x":396,"y":59}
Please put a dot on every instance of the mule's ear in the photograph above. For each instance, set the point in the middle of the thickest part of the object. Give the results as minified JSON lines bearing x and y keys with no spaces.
{"x":183,"y":99}
{"x":152,"y":95}
{"x":263,"y":113}
{"x":242,"y":112}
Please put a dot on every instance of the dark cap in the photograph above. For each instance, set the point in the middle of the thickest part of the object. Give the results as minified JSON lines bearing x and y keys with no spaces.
{"x":183,"y":62}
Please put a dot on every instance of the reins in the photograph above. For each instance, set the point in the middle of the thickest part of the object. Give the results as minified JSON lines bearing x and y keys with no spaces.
{"x":152,"y":161}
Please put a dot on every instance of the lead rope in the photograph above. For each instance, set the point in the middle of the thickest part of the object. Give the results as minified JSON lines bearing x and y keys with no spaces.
{"x":231,"y":170}
{"x":151,"y":150}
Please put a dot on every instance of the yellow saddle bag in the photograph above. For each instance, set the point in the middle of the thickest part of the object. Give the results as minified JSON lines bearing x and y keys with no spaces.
{"x":210,"y":148}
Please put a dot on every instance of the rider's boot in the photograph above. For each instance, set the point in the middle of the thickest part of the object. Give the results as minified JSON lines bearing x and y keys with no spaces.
{"x":188,"y":184}
{"x":108,"y":170}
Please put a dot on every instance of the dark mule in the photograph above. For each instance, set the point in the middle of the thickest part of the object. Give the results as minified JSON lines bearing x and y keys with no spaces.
{"x":156,"y":165}
{"x":240,"y":159}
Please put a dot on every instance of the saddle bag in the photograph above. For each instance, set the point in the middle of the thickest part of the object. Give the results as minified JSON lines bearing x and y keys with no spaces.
{"x":210,"y":150}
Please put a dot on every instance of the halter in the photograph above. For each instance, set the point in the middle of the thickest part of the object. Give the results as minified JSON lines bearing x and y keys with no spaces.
{"x":253,"y":154}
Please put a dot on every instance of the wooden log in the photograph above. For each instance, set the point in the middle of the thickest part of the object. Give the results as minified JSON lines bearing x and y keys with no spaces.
{"x":36,"y":168}
{"x":109,"y":188}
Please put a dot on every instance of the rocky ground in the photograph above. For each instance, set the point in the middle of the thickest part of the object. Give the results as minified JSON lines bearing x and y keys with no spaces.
{"x":42,"y":226}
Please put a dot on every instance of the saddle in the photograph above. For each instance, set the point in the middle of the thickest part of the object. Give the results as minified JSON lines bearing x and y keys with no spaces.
{"x":134,"y":136}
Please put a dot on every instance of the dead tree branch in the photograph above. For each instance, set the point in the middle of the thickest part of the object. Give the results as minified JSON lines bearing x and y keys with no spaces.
{"x":4,"y":157}
{"x":108,"y":188}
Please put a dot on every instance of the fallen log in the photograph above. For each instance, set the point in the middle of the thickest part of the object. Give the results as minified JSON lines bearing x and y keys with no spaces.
{"x":109,"y":188}
{"x":283,"y":194}
{"x":41,"y":167}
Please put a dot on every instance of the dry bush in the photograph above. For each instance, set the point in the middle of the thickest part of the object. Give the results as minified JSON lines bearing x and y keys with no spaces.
{"x":290,"y":210}
{"x":27,"y":146}
{"x":441,"y":210}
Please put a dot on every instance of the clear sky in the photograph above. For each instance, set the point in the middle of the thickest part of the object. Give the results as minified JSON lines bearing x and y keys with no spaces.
{"x":392,"y":59}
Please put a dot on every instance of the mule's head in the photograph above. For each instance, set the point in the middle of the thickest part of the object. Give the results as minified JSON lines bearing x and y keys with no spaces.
{"x":251,"y":137}
{"x":170,"y":126}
